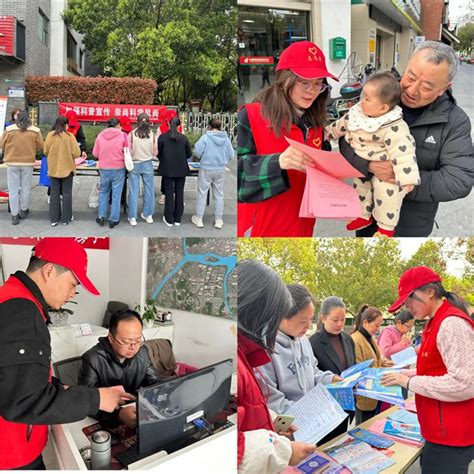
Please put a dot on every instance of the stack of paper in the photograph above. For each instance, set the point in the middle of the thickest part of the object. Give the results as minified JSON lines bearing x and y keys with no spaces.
{"x":325,"y":195}
{"x":403,"y":424}
{"x":370,"y":386}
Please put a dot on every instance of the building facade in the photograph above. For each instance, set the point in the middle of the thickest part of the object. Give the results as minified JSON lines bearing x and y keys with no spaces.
{"x":49,"y":47}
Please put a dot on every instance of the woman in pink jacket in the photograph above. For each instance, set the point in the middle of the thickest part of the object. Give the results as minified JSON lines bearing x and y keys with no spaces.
{"x":396,"y":337}
{"x":108,"y":148}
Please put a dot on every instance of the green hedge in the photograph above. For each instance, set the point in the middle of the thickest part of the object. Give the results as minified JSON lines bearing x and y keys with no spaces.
{"x":99,"y":90}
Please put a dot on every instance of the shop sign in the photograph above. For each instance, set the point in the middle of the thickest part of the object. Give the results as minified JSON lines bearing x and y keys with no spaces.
{"x":7,"y":35}
{"x":255,"y":60}
{"x":16,"y":92}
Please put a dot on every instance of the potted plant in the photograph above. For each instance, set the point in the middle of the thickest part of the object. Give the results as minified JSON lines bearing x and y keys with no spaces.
{"x":59,"y":317}
{"x":148,"y":313}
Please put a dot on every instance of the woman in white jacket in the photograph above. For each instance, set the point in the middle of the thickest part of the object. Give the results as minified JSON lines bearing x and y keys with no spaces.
{"x":293,"y":370}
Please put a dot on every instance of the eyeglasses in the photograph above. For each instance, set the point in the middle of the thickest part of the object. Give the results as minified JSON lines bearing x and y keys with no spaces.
{"x":130,"y":344}
{"x":308,"y":86}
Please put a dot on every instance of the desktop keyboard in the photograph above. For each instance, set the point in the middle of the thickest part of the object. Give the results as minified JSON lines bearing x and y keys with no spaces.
{"x":129,"y":455}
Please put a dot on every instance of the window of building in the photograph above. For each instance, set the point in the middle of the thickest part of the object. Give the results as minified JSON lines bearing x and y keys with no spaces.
{"x":262,"y":34}
{"x":43,"y":27}
{"x":71,"y":53}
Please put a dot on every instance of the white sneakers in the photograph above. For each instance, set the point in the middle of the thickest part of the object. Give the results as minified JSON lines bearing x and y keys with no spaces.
{"x":197,"y":221}
{"x":148,"y":219}
{"x":167,"y":223}
{"x":132,"y":221}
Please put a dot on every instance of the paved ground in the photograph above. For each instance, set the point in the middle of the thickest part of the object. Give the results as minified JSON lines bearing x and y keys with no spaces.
{"x":38,"y":224}
{"x":455,"y":218}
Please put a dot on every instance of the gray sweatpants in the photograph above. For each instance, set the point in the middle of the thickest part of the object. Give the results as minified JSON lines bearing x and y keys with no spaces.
{"x":19,"y":179}
{"x":210,"y":179}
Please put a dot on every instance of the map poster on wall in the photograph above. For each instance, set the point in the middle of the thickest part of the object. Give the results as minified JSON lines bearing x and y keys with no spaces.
{"x":193,"y":274}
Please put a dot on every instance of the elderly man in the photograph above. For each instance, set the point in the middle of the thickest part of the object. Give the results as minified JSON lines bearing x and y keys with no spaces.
{"x":30,"y":399}
{"x":119,"y":359}
{"x":442,"y":132}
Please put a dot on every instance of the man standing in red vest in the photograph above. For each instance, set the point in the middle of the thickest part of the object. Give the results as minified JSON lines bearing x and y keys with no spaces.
{"x":30,"y":398}
{"x":443,"y":381}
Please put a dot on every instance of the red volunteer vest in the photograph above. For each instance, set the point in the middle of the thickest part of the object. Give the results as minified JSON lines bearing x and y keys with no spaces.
{"x":446,"y":423}
{"x":252,"y":411}
{"x":20,"y":444}
{"x":279,"y":215}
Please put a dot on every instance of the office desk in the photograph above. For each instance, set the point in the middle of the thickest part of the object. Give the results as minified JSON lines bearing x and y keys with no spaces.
{"x":404,"y":455}
{"x":64,"y":344}
{"x":216,"y":454}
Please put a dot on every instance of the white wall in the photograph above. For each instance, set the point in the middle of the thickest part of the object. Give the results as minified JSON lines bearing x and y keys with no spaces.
{"x":201,"y":340}
{"x":127,"y":270}
{"x":331,"y":19}
{"x":90,"y":309}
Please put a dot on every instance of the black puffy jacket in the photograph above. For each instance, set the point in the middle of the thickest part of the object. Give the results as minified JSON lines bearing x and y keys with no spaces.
{"x":101,"y":368}
{"x":445,"y":160}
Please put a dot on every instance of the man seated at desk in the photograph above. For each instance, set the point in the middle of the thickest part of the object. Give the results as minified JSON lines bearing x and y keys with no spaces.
{"x":119,"y":359}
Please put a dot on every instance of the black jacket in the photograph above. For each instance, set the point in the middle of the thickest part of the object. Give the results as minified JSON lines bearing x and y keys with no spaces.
{"x":173,"y":156}
{"x":26,"y":395}
{"x":327,"y":356}
{"x":445,"y":160}
{"x":101,"y":368}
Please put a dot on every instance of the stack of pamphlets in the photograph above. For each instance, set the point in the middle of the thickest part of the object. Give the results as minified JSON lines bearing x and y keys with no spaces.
{"x":403,"y":424}
{"x":370,"y":386}
{"x":319,"y":463}
{"x":359,"y":457}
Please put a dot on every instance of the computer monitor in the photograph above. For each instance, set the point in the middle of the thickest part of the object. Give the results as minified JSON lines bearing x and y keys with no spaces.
{"x":166,"y":411}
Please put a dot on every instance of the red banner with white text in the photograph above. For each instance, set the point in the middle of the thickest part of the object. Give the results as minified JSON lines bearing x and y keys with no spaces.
{"x":103,"y":112}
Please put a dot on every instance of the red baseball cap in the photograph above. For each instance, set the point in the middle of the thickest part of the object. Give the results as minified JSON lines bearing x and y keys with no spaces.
{"x":69,"y":254}
{"x":411,"y":280}
{"x":306,"y":60}
{"x":126,"y":124}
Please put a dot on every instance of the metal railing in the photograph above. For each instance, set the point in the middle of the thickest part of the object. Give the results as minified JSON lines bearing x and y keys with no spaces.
{"x":196,"y":122}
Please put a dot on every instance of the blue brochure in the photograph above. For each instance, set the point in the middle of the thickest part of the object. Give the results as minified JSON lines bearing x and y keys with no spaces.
{"x":343,"y":392}
{"x":360,"y":367}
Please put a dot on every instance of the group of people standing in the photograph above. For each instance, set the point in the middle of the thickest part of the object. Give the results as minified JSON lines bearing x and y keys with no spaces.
{"x":65,"y":143}
{"x":278,"y":364}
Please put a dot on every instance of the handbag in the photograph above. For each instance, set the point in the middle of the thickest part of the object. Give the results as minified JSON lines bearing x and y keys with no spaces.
{"x":43,"y":176}
{"x":127,"y":156}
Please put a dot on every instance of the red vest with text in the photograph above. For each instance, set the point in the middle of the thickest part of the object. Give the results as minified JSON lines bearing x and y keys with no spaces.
{"x":279,"y":215}
{"x":446,"y":423}
{"x":252,"y":411}
{"x":20,"y":444}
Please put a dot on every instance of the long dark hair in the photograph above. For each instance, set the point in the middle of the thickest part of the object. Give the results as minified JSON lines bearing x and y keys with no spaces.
{"x":144,"y":128}
{"x":279,"y":110}
{"x":59,"y":125}
{"x":174,"y":124}
{"x":262,"y":301}
{"x":23,"y":121}
{"x":452,"y":298}
{"x":301,"y":298}
{"x":365,"y":313}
